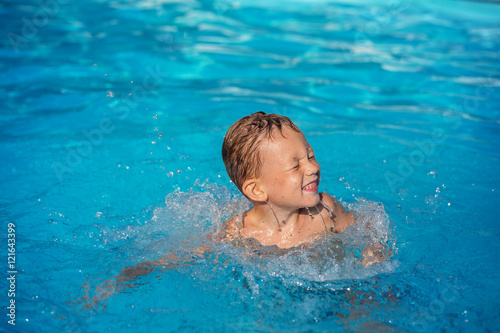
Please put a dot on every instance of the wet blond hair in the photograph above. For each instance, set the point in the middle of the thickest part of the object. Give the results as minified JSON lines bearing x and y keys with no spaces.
{"x":240,"y":149}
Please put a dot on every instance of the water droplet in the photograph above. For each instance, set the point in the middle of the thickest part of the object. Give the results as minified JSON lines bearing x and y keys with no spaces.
{"x":170,"y":174}
{"x":168,"y":147}
{"x":179,"y":171}
{"x":153,"y":142}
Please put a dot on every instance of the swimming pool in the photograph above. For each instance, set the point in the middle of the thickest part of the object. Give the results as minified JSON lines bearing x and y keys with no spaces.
{"x":112,"y":118}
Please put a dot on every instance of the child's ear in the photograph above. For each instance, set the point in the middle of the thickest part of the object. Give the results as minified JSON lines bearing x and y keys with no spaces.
{"x":253,"y":191}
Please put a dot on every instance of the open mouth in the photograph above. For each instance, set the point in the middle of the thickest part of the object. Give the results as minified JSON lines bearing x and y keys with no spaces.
{"x":312,"y":186}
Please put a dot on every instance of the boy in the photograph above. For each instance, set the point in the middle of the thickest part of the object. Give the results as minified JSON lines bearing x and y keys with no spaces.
{"x":272,"y":164}
{"x":270,"y":161}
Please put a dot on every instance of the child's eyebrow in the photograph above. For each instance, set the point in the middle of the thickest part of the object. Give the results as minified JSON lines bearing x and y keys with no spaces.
{"x":309,"y":150}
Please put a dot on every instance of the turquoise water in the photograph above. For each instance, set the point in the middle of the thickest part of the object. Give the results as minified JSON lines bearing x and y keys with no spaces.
{"x":112,"y":119}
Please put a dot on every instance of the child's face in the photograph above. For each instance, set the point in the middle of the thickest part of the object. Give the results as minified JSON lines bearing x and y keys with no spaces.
{"x":290,"y":173}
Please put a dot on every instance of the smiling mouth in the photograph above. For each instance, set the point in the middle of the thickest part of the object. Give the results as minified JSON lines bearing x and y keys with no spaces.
{"x":312,"y":186}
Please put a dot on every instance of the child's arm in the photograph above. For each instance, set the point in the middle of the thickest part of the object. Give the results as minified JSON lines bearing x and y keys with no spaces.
{"x":130,"y":273}
{"x":372,"y":253}
{"x":375,"y":252}
{"x":170,"y":261}
{"x":93,"y":296}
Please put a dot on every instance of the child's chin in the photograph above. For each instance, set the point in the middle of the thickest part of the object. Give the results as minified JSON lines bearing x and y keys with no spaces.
{"x":313,"y":199}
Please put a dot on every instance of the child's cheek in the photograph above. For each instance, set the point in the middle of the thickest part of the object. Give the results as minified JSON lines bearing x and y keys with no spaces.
{"x":295,"y":181}
{"x":276,"y":182}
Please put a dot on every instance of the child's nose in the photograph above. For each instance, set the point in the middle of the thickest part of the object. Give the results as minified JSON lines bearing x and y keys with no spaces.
{"x":312,"y":168}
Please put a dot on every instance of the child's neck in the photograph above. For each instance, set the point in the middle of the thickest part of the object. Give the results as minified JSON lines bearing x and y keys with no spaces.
{"x":273,"y":226}
{"x":275,"y":218}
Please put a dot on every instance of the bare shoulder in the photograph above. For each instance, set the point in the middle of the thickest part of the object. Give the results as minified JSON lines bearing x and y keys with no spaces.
{"x":333,"y":203}
{"x":342,"y":218}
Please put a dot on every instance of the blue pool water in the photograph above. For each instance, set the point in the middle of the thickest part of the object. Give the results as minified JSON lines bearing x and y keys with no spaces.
{"x":112,"y":118}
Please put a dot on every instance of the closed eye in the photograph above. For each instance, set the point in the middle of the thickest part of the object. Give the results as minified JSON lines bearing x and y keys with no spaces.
{"x":310,"y":153}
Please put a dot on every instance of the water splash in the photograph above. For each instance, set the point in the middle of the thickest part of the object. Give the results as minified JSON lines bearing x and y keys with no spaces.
{"x":189,"y":220}
{"x":194,"y":216}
